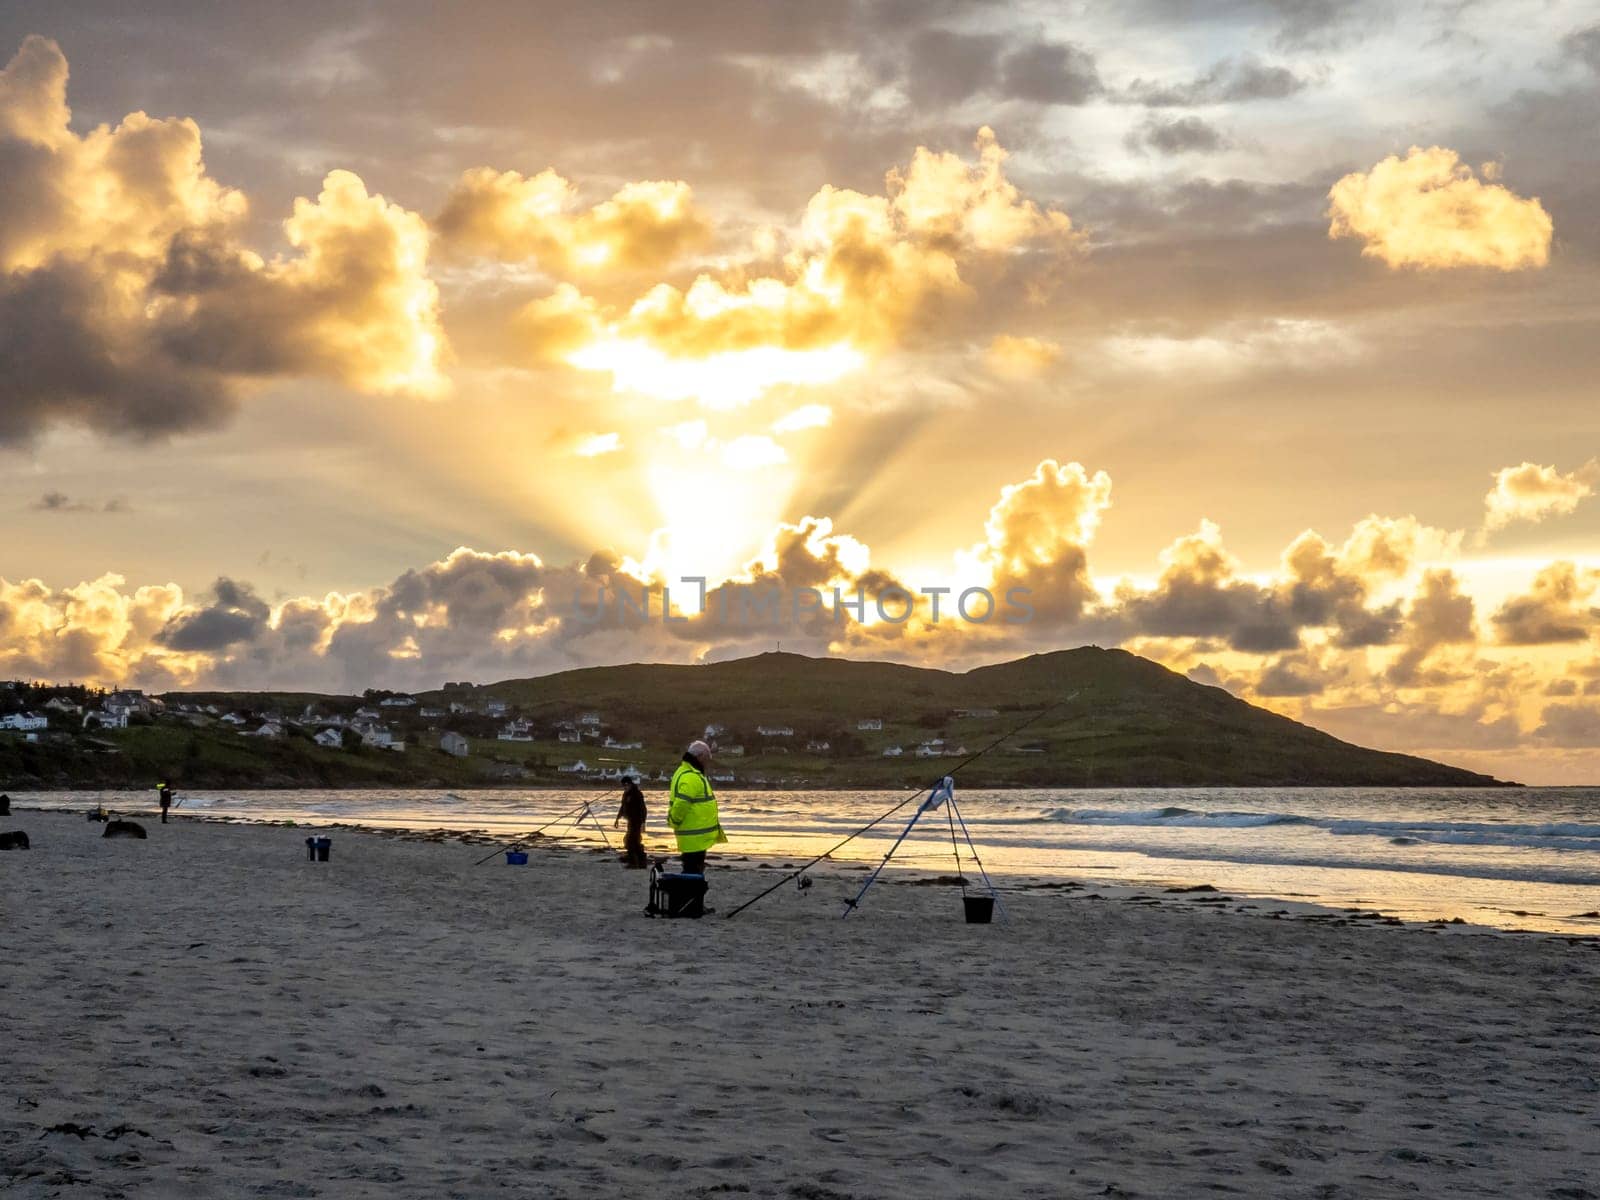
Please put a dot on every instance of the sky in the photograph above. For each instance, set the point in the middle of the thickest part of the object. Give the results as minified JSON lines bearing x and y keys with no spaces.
{"x":363,"y":344}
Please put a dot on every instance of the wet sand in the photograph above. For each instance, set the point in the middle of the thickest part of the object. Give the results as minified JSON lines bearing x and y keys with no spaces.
{"x":205,"y":1013}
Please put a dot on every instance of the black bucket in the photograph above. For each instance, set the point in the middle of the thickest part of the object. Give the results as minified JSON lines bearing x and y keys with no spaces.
{"x":980,"y":909}
{"x":318,"y":848}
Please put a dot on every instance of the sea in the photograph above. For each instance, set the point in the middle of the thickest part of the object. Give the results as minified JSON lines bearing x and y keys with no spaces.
{"x":1513,"y":858}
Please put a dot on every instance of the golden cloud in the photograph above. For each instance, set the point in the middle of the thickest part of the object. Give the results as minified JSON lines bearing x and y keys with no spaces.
{"x":1017,"y":357}
{"x":1429,"y":210}
{"x":862,"y":273}
{"x":513,"y":217}
{"x":1530,"y":492}
{"x":133,"y":306}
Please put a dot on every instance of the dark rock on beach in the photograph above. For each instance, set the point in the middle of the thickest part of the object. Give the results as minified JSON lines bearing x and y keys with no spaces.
{"x":124,"y":829}
{"x":13,"y":839}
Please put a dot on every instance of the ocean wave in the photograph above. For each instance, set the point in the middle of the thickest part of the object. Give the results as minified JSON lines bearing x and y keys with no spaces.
{"x":1173,"y":817}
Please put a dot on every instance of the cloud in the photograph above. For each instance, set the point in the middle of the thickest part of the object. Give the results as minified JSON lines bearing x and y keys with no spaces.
{"x":1019,"y":357}
{"x":644,"y":225}
{"x":1531,"y":492}
{"x":595,"y":444}
{"x":1574,"y":724}
{"x":60,"y":502}
{"x":127,"y":303}
{"x":1226,"y":82}
{"x":1180,"y":135}
{"x":807,"y":416}
{"x":752,"y":452}
{"x":1555,"y":609}
{"x":864,"y":274}
{"x":235,"y":614}
{"x":354,"y":304}
{"x":1430,"y":211}
{"x":1052,"y":73}
{"x":1440,"y":615}
{"x":1584,"y":45}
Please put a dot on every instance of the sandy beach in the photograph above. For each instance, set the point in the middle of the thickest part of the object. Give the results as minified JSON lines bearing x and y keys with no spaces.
{"x":205,"y":1013}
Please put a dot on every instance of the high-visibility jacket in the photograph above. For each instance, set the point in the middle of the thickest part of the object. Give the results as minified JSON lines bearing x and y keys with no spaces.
{"x":692,"y":814}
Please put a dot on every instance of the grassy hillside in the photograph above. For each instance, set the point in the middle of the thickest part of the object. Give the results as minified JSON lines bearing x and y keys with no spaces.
{"x":1113,"y":719}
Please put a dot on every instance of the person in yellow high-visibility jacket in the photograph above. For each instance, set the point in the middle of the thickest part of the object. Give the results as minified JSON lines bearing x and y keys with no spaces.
{"x":692,"y":810}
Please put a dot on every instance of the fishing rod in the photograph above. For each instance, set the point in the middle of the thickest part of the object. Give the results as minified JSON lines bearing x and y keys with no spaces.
{"x":916,"y":795}
{"x":574,"y":810}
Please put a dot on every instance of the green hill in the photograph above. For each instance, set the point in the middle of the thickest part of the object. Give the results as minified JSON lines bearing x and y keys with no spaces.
{"x":1111,"y":719}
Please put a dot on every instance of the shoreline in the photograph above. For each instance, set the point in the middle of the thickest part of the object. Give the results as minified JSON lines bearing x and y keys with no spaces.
{"x":207,"y":1013}
{"x":1176,"y":892}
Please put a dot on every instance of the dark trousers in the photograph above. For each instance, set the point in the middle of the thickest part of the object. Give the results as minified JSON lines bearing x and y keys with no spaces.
{"x":163,"y":814}
{"x":694,"y":862}
{"x":633,"y":845}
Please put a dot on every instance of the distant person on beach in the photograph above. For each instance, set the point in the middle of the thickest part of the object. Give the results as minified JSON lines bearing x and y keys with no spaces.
{"x":164,"y":794}
{"x":692,"y":813}
{"x":5,"y":806}
{"x":634,"y":811}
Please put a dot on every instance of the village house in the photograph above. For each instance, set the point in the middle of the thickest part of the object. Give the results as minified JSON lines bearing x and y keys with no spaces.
{"x":575,"y":768}
{"x":454,"y":744}
{"x":516,"y":731}
{"x":775,"y":730}
{"x":101,"y":719}
{"x":331,"y":738}
{"x":931,"y":749}
{"x":269,"y":729}
{"x":590,"y":719}
{"x":23,"y":722}
{"x":60,"y":704}
{"x":367,"y":713}
{"x":398,"y":701}
{"x":234,"y":719}
{"x":495,"y":708}
{"x":892,"y":752}
{"x":458,"y":709}
{"x":819,"y":745}
{"x":868,"y":724}
{"x":715,"y":731}
{"x":382,"y":739}
{"x":612,"y":743}
{"x":730,"y":751}
{"x":568,"y":735}
{"x":430,"y":712}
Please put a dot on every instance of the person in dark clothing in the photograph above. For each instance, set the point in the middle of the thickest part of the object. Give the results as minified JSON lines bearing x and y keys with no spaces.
{"x":164,"y":794}
{"x":5,"y":806}
{"x":633,"y":811}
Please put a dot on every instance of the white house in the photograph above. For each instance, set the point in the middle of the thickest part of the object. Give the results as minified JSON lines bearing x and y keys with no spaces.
{"x":611,"y":743}
{"x":236,"y":719}
{"x":398,"y":701}
{"x":722,"y":776}
{"x":103,"y":719}
{"x":867,"y":724}
{"x":931,"y":749}
{"x":454,"y":744}
{"x":495,"y":708}
{"x":382,"y":739}
{"x":430,"y":712}
{"x":714,"y":731}
{"x":516,"y":731}
{"x":892,"y":752}
{"x":61,"y":704}
{"x":331,"y":738}
{"x":590,"y":719}
{"x":575,"y":768}
{"x":23,"y":722}
{"x":568,"y":735}
{"x":774,"y":731}
{"x":270,"y":729}
{"x":456,"y":707}
{"x":367,"y":713}
{"x":131,"y":701}
{"x":819,"y":745}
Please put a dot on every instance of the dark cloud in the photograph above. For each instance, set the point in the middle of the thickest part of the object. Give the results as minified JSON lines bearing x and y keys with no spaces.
{"x":1556,"y":609}
{"x":947,"y":68}
{"x":1052,"y":73}
{"x":1572,"y":725}
{"x":235,"y":614}
{"x":1584,"y":45}
{"x":1227,"y":82}
{"x":60,"y":502}
{"x":69,"y":356}
{"x":1290,"y":676}
{"x":1180,"y":135}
